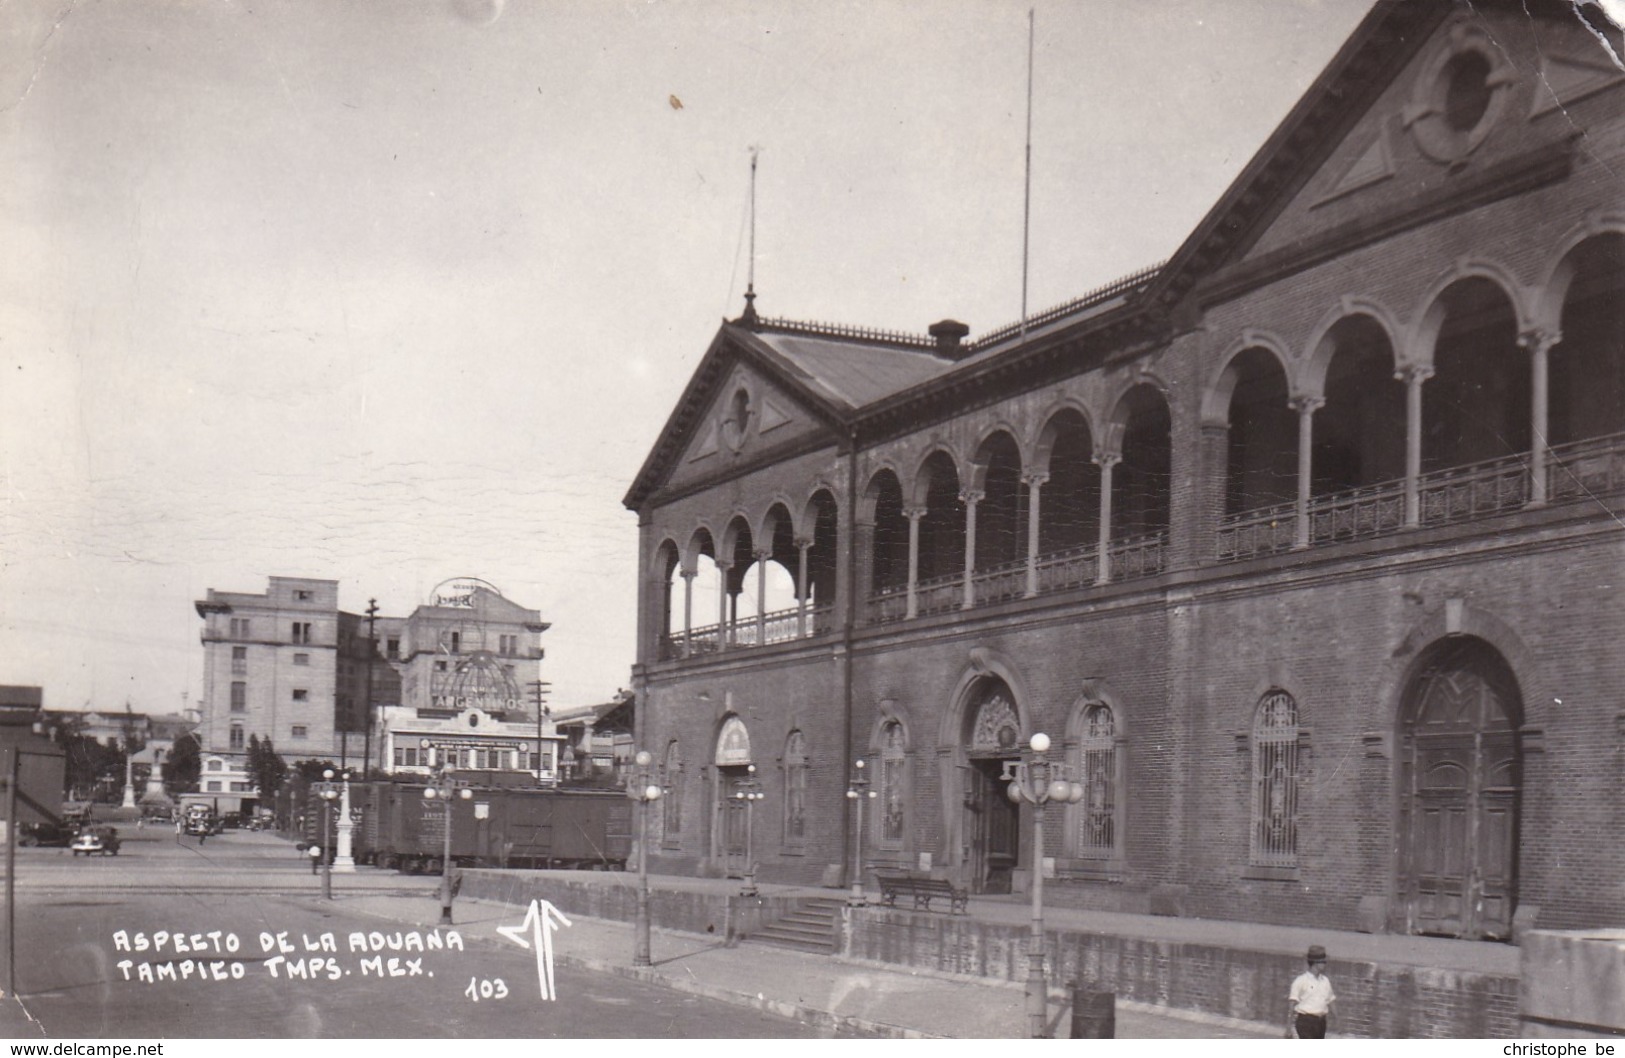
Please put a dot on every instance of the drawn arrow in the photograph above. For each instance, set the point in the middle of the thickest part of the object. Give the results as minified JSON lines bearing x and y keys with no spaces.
{"x":541,"y":919}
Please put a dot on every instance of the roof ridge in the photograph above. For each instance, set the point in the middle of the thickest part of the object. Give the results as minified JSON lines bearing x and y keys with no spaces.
{"x":1094,"y":297}
{"x":842,"y":330}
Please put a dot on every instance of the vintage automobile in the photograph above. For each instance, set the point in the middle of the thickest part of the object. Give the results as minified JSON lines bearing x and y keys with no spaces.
{"x":94,"y":839}
{"x":58,"y":834}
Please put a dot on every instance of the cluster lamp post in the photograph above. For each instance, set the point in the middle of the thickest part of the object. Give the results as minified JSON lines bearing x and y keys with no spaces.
{"x":328,"y":792}
{"x":1039,"y":781}
{"x":442,"y":787}
{"x":856,"y":792}
{"x":641,"y":788}
{"x":748,"y":791}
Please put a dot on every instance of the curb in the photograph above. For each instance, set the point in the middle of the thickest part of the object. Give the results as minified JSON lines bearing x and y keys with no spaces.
{"x":795,"y":1011}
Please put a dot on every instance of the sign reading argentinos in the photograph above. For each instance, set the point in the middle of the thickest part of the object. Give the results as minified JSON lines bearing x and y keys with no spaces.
{"x":458,"y":592}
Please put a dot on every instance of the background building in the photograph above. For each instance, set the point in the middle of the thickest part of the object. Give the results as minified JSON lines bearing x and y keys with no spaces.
{"x":1302,"y":547}
{"x":291,"y":667}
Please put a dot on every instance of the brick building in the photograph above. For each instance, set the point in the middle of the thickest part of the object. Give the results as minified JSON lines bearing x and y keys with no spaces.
{"x":1302,"y":546}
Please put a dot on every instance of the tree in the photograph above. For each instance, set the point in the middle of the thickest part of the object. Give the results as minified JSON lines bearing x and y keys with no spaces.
{"x":312,"y":769}
{"x":265,"y":767}
{"x":184,"y":764}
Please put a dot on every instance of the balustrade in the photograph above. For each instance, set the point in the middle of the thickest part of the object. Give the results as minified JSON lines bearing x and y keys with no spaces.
{"x":1002,"y":582}
{"x":1139,"y":556}
{"x":1266,"y":531}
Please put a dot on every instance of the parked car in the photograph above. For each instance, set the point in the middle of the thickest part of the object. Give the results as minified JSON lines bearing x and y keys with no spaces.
{"x":58,"y":834}
{"x":96,"y":839}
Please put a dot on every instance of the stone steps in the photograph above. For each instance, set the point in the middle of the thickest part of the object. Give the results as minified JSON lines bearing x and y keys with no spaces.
{"x":809,"y":927}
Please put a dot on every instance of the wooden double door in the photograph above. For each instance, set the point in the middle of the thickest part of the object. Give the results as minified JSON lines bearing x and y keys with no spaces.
{"x":992,"y":826}
{"x":1460,"y":804}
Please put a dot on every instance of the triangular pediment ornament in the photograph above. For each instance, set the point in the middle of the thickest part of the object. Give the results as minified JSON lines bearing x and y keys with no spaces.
{"x":1565,"y":80}
{"x":707,"y":444}
{"x":773,"y":416}
{"x":1370,"y":166}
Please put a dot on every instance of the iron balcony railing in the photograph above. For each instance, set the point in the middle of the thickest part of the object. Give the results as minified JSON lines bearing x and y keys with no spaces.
{"x":1579,"y":471}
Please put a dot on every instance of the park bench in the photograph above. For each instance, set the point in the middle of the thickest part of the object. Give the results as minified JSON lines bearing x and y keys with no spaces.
{"x":923,"y":889}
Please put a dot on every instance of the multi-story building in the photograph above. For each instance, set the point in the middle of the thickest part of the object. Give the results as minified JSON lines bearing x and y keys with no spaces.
{"x":1303,"y":547}
{"x":290,"y":666}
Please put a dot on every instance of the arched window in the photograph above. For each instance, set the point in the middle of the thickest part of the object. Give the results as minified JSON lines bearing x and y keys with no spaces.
{"x":1097,"y":760}
{"x":1275,"y":782}
{"x":671,"y":796}
{"x":893,"y":805}
{"x":796,"y":769}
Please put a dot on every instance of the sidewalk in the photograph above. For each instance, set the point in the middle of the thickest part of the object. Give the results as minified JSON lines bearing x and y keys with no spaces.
{"x":818,"y":989}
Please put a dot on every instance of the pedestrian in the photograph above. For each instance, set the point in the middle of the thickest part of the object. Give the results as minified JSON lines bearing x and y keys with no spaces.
{"x":1311,"y":999}
{"x":179,"y":827}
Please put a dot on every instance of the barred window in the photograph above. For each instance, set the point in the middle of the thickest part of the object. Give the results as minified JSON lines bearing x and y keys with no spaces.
{"x":1097,"y":815}
{"x":1275,"y":782}
{"x":237,"y":738}
{"x":671,"y":798}
{"x":893,"y":795}
{"x":796,"y":767}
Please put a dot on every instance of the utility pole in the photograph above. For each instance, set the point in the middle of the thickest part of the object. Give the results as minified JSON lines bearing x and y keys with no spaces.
{"x":372,"y":651}
{"x":540,"y":689}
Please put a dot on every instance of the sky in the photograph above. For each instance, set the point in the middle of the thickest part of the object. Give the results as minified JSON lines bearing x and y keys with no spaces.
{"x":393,"y":292}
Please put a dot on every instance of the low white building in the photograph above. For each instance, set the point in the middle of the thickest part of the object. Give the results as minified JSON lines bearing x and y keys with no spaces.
{"x":471,"y":738}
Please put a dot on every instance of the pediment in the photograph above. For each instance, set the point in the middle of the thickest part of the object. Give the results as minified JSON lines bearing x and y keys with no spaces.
{"x":744,"y":415}
{"x":1484,"y":88}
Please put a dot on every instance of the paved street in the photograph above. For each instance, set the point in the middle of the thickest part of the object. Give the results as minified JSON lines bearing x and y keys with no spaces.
{"x":75,"y":979}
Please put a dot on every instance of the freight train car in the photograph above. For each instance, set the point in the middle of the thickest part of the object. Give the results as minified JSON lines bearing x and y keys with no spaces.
{"x":398,"y":828}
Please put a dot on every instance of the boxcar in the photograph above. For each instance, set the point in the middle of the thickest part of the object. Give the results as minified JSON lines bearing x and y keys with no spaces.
{"x":586,"y":829}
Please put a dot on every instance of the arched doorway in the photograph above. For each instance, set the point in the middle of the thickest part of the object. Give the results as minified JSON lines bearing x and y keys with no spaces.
{"x":992,"y":740}
{"x":1461,"y":772}
{"x":731,"y":812}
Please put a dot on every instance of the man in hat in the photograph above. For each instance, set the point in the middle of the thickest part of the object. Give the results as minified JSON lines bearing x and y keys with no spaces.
{"x":1311,"y":999}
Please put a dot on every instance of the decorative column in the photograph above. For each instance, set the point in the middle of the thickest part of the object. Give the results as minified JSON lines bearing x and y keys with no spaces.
{"x":1103,"y":559}
{"x":688,"y":614}
{"x":344,"y":857}
{"x":801,"y":586}
{"x":1539,"y":343}
{"x":913,"y":514}
{"x":970,"y":498}
{"x":761,"y":597}
{"x":1305,"y":407}
{"x":1413,"y":376}
{"x":1035,"y":482}
{"x":723,"y":624}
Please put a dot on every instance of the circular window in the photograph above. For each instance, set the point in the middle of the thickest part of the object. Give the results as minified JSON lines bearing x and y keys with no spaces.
{"x":1467,"y":91}
{"x":1459,"y":96}
{"x":737,"y":418}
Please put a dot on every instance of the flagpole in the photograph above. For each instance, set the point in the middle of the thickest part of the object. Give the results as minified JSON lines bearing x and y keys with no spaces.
{"x":1027,"y":190}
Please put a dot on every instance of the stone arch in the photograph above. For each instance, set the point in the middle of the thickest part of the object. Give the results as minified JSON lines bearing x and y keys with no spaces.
{"x":702,"y":541}
{"x":975,"y":476}
{"x":1552,"y":291}
{"x":1310,"y":379}
{"x":866,"y":499}
{"x":1429,"y":315}
{"x":919,"y":483}
{"x":1044,"y":440}
{"x":1222,"y":383}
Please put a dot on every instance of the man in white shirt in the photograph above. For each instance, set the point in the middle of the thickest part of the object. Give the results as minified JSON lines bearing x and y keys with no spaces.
{"x":1311,"y":999}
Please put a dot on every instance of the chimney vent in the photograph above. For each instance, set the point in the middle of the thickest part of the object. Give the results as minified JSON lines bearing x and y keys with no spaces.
{"x":950,"y":334}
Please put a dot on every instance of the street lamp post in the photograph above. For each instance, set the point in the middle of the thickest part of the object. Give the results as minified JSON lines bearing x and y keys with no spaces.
{"x":328,"y":792}
{"x":641,"y":788}
{"x":1039,"y":781}
{"x":857,"y":792}
{"x":748,"y":791}
{"x":443,"y":788}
